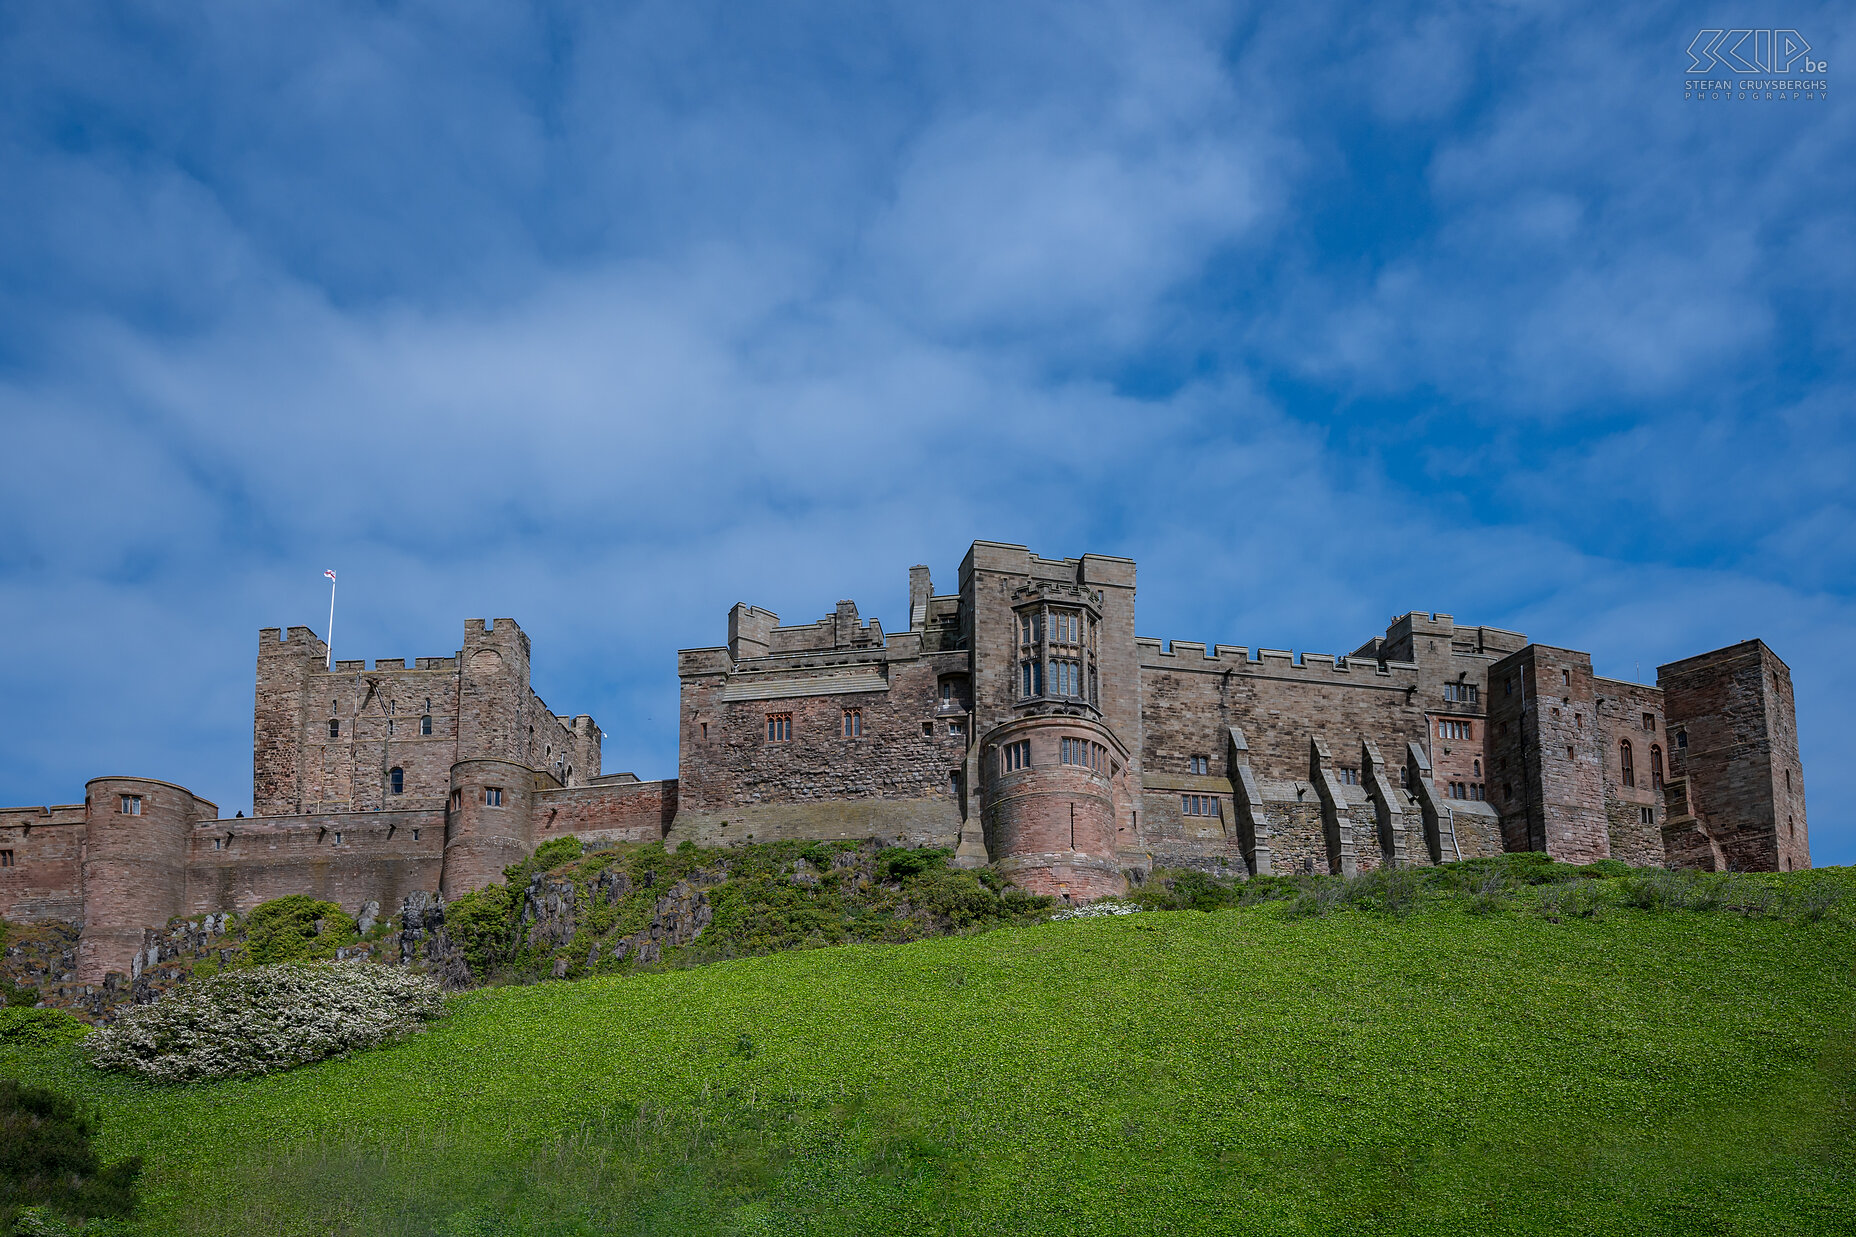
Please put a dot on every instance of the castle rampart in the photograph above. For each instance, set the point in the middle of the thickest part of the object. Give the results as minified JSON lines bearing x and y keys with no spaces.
{"x":1018,"y":720}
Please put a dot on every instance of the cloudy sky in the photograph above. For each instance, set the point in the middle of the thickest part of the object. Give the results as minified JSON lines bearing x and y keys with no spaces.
{"x":605,"y":317}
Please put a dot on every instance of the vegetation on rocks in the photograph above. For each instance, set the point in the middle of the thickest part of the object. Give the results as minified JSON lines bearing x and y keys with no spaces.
{"x":564,"y":913}
{"x":296,"y":928}
{"x":265,"y":1019}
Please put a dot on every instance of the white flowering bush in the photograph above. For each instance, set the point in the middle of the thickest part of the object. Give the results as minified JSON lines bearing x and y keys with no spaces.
{"x":266,"y":1019}
{"x":1096,"y":910}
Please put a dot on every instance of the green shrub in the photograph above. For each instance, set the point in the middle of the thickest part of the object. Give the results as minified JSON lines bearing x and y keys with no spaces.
{"x":1813,"y":902}
{"x":479,"y":925}
{"x":1324,"y":898}
{"x":898,"y":863}
{"x":46,"y":1161}
{"x":549,"y":855}
{"x":1392,"y":890}
{"x":1489,"y":896}
{"x":1574,"y":899}
{"x":39,"y":1028}
{"x":265,"y":1019}
{"x":17,"y":995}
{"x":296,"y":928}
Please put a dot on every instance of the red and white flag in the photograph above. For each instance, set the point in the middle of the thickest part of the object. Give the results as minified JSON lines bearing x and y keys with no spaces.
{"x":330,"y":573}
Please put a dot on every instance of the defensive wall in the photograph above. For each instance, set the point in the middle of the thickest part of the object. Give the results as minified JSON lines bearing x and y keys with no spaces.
{"x":1018,"y":721}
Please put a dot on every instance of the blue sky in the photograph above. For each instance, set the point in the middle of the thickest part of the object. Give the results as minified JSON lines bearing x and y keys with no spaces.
{"x":605,"y":317}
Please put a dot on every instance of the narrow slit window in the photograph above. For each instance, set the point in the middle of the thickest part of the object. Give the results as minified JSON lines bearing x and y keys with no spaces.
{"x":1656,"y":769}
{"x":1627,"y":764}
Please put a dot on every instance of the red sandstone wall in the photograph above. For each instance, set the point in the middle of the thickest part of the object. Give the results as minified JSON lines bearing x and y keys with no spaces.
{"x":1735,"y":707}
{"x":134,"y":867}
{"x":45,"y":878}
{"x":1051,"y":827}
{"x":607,"y":811}
{"x":729,"y":762}
{"x":1621,"y":709}
{"x":1551,"y":753}
{"x":346,"y":858}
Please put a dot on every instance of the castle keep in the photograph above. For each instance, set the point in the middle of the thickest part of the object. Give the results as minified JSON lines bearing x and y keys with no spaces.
{"x":1018,"y":721}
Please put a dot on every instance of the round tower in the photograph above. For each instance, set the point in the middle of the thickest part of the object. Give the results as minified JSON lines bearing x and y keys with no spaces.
{"x":135,"y":866}
{"x":1049,"y":805}
{"x":487,"y":823}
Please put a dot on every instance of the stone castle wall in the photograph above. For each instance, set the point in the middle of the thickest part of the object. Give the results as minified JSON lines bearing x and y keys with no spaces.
{"x":1429,"y":743}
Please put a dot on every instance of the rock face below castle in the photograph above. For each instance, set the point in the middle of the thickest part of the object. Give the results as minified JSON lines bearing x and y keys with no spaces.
{"x":1018,"y":721}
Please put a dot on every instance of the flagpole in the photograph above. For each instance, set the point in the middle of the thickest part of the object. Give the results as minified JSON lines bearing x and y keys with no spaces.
{"x":331,"y":661}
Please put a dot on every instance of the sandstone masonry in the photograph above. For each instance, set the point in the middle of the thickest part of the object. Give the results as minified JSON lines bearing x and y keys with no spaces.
{"x":1018,"y":720}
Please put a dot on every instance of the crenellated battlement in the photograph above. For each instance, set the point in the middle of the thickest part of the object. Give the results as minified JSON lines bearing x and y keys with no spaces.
{"x":1191,"y":655}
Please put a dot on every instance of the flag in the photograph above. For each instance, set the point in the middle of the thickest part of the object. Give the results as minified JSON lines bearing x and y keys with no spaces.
{"x":330,"y":573}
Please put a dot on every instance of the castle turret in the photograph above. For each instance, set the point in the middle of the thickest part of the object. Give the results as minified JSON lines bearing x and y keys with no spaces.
{"x":135,"y":866}
{"x":487,"y":823}
{"x":1050,"y":805}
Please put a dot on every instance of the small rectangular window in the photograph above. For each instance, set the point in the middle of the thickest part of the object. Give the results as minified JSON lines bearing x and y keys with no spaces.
{"x":1649,"y":721}
{"x":853,"y":723}
{"x":493,"y":796}
{"x":956,"y":729}
{"x":415,"y":835}
{"x":1682,"y":738}
{"x":425,"y":725}
{"x":6,"y":858}
{"x":779,"y":727}
{"x":1015,"y":756}
{"x":1201,"y":764}
{"x":338,"y":839}
{"x":335,"y":728}
{"x":132,"y":805}
{"x":1647,"y":815}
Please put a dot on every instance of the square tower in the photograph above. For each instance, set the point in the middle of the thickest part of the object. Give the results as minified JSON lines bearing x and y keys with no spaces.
{"x":1735,"y":738}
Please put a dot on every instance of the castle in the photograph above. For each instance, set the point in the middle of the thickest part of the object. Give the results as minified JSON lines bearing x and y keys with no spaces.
{"x":1019,"y":721}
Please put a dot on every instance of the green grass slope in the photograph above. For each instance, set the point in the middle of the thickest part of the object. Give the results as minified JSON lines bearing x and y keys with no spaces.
{"x":1239,"y":1071}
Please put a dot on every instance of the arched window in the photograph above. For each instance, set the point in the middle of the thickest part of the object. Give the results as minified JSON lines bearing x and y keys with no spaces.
{"x":1656,"y":767}
{"x":1625,"y":761}
{"x":396,"y":779}
{"x":335,"y":728}
{"x":425,"y":724}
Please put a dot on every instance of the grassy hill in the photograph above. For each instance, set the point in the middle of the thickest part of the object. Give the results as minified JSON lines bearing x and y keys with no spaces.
{"x":1258,"y":1069}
